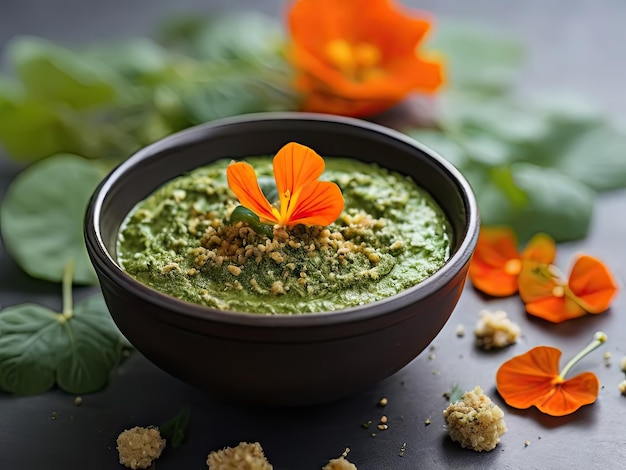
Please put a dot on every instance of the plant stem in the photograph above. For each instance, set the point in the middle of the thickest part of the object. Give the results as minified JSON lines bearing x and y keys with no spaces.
{"x":598,"y":339}
{"x":68,"y":306}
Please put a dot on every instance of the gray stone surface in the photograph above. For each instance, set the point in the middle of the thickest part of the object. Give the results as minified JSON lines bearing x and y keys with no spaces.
{"x":575,"y":45}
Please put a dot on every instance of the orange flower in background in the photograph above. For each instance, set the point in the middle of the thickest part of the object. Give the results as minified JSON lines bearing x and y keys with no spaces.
{"x":496,"y":263}
{"x":589,"y":289}
{"x":533,"y":379}
{"x":359,"y":57}
{"x":302,"y":198}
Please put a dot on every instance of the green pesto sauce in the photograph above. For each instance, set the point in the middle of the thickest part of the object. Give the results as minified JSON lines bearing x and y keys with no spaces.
{"x":392,"y":232}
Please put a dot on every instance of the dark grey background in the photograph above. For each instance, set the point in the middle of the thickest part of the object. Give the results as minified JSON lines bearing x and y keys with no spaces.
{"x":573,"y":45}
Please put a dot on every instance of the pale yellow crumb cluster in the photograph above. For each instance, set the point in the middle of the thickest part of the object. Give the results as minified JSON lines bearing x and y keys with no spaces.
{"x":138,"y":447}
{"x":475,"y":421}
{"x":245,"y":456}
{"x":622,"y":387}
{"x":339,"y":464}
{"x":495,"y":330}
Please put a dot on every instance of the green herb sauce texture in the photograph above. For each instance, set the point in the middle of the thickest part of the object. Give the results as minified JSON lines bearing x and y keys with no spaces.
{"x":390,"y":236}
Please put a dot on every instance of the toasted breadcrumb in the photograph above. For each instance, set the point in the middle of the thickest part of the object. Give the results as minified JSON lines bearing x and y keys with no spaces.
{"x":622,"y":387}
{"x":475,"y":421}
{"x":245,"y":456}
{"x":622,"y":364}
{"x":339,"y":464}
{"x":495,"y":330}
{"x":138,"y":447}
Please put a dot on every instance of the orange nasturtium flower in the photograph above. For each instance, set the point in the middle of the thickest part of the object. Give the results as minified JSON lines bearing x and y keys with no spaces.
{"x":496,"y":263}
{"x":533,"y":378}
{"x":359,"y":57}
{"x":589,"y":289}
{"x":303,"y":199}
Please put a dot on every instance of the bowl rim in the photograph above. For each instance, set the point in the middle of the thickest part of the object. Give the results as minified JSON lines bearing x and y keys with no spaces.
{"x":100,"y":254}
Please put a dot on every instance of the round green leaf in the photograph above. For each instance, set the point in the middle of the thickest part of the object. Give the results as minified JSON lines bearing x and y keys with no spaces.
{"x":39,"y":348}
{"x":29,"y":336}
{"x":22,"y":120}
{"x":251,"y":35}
{"x":597,"y":158}
{"x":51,"y":72}
{"x":442,"y":144}
{"x":554,"y":203}
{"x":478,"y":56}
{"x":93,"y":348}
{"x":41,"y":217}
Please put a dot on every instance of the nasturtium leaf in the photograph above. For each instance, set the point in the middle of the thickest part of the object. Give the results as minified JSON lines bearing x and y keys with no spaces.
{"x":30,"y":130}
{"x":566,"y":121}
{"x":478,"y":57}
{"x":237,"y":93}
{"x":138,"y":59}
{"x":39,"y":348}
{"x":556,"y":204}
{"x":501,"y":117}
{"x":597,"y":158}
{"x":29,"y":334}
{"x":441,"y":143}
{"x":175,"y":429}
{"x":243,"y":214}
{"x":246,"y":36}
{"x":94,"y":346}
{"x":486,"y":149}
{"x":41,"y":217}
{"x":456,"y":393}
{"x":52,"y":73}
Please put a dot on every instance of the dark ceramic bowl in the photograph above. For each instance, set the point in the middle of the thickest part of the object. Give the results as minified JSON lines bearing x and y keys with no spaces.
{"x":280,"y":360}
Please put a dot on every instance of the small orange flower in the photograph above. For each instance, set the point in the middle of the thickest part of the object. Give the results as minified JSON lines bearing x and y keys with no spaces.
{"x":533,"y":379}
{"x":303,"y":199}
{"x":357,"y":57}
{"x":496,"y":263}
{"x":589,"y":289}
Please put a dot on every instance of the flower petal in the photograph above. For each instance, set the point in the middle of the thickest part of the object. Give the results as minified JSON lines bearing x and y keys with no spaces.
{"x":296,"y":169}
{"x":320,"y":203}
{"x":243,"y":182}
{"x":540,"y":248}
{"x":295,"y":166}
{"x":536,"y":282}
{"x":555,"y":309}
{"x":350,"y":85}
{"x":592,"y":284}
{"x":571,"y":394}
{"x":528,"y":379}
{"x":488,"y":271}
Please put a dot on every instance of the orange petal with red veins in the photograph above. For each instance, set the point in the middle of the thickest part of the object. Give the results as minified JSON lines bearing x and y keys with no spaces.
{"x":243,"y":182}
{"x":295,"y":166}
{"x":304,"y":199}
{"x":540,"y":248}
{"x":571,"y":394}
{"x":555,"y":309}
{"x":528,"y":379}
{"x":320,"y":203}
{"x":490,"y":269}
{"x":592,"y":284}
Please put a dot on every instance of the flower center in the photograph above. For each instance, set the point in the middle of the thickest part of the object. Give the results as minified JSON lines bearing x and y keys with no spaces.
{"x":513,"y":267}
{"x":358,"y":62}
{"x":558,"y":291}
